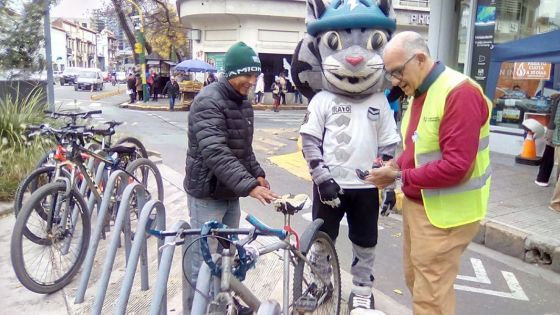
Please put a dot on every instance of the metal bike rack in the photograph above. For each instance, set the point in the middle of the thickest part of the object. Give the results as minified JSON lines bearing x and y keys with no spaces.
{"x":98,"y":231}
{"x":159,"y":299}
{"x":139,"y":245}
{"x":122,"y":222}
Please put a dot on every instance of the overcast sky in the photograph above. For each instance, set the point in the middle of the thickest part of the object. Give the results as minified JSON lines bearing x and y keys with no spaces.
{"x":74,"y":8}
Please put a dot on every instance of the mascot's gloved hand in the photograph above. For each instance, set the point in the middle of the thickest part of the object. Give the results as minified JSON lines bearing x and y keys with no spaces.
{"x":328,"y":193}
{"x":389,"y":202}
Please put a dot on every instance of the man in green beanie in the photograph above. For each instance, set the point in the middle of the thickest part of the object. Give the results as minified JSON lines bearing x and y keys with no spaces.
{"x":221,"y":165}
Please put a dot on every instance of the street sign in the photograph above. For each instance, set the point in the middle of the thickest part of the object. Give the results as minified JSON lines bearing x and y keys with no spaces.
{"x":138,"y":48}
{"x":481,"y":276}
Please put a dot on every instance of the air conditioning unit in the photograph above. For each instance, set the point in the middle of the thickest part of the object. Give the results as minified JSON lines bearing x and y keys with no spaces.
{"x":195,"y":35}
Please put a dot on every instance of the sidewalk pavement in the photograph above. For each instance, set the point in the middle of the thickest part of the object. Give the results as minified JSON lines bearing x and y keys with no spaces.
{"x":265,"y":280}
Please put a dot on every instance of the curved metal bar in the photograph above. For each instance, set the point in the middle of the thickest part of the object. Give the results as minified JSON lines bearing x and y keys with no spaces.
{"x":94,"y":242}
{"x":138,"y":246}
{"x":122,"y":213}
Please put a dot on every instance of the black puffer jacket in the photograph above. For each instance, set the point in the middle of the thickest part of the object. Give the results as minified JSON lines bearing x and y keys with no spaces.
{"x":221,"y":163}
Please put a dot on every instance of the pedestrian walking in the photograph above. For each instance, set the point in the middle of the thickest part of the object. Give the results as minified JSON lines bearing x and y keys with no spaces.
{"x":259,"y":89}
{"x":283,"y":87}
{"x":155,"y":86}
{"x":172,"y":90}
{"x":210,"y":79}
{"x":221,"y":166}
{"x":298,"y":99}
{"x":275,"y":87}
{"x":131,"y":88}
{"x":547,"y":162}
{"x":444,"y":169}
{"x":139,"y":90}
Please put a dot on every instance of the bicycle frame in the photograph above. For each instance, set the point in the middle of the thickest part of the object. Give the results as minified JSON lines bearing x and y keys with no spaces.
{"x":228,"y":283}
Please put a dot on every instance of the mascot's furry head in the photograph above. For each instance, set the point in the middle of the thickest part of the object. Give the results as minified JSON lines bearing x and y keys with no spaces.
{"x":342,"y":51}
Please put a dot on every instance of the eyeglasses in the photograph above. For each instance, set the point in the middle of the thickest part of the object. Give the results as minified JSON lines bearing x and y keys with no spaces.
{"x":398,"y":72}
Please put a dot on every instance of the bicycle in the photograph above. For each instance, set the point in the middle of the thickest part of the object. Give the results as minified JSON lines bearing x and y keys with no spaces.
{"x":44,"y":172}
{"x":317,"y":284}
{"x":57,"y":216}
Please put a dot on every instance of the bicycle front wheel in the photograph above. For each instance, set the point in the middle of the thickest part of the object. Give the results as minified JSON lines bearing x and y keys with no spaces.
{"x":317,"y":287}
{"x":48,"y":267}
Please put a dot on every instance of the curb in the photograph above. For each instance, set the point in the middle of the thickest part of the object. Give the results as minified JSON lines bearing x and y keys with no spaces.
{"x":165,"y":108}
{"x":178,"y":108}
{"x":96,"y":97}
{"x":515,"y":242}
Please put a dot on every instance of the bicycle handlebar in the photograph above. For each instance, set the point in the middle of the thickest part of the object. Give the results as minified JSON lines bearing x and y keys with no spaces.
{"x":265,"y":229}
{"x":82,"y":115}
{"x":259,"y":229}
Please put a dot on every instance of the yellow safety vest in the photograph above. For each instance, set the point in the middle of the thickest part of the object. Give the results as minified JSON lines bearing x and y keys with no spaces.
{"x":468,"y":201}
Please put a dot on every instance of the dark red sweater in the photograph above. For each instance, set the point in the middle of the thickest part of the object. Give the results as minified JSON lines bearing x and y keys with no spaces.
{"x":465,"y":112}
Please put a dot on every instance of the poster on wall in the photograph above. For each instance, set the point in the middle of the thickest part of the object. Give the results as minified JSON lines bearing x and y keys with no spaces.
{"x":483,"y":42}
{"x":531,"y":71}
{"x":216,"y":60}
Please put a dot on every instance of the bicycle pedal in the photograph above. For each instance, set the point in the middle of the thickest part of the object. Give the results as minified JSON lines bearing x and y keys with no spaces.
{"x":305,"y":304}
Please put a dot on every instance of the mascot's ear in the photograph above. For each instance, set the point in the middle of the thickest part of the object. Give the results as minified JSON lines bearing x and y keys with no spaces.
{"x":306,"y":68}
{"x":315,"y":9}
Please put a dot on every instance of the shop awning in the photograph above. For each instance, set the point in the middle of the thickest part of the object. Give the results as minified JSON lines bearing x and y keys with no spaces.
{"x":539,"y":48}
{"x":152,"y":62}
{"x":171,"y":63}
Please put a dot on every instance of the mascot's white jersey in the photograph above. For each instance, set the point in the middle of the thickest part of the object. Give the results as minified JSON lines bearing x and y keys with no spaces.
{"x":350,"y":129}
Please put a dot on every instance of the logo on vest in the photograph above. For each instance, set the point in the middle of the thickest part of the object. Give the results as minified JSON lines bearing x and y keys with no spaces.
{"x":431,"y":119}
{"x":341,"y":109}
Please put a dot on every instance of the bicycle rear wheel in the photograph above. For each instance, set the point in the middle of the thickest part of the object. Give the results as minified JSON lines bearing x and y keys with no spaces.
{"x":48,"y":267}
{"x":140,"y":148}
{"x":147,"y":173}
{"x":311,"y":295}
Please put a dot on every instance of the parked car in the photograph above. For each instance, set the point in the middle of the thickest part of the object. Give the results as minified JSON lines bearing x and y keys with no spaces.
{"x":89,"y":79}
{"x":69,"y":75}
{"x":121,"y":77}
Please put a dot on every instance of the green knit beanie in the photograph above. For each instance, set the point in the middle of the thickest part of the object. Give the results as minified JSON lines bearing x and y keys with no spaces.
{"x":241,"y":59}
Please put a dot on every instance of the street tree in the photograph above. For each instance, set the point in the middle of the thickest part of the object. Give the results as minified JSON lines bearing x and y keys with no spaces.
{"x":20,"y":42}
{"x":163,"y":31}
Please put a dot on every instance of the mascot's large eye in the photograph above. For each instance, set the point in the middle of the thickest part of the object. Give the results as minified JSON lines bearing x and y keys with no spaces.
{"x":376,"y":40}
{"x":332,"y":40}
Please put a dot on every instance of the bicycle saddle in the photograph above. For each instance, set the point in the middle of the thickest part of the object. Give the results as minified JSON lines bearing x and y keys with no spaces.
{"x":290,"y":204}
{"x":122,"y":149}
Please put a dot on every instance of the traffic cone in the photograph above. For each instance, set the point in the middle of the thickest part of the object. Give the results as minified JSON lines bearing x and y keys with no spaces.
{"x":528,"y":154}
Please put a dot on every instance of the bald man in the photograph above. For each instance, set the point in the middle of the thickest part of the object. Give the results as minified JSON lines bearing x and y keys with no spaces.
{"x":444,"y":169}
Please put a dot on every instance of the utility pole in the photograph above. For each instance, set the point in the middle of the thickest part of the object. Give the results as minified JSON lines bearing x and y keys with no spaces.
{"x":48,"y":55}
{"x":139,"y":48}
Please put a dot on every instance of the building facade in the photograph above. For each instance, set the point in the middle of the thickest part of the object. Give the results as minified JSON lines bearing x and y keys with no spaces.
{"x":106,"y":51}
{"x":81,"y":43}
{"x":272,"y":27}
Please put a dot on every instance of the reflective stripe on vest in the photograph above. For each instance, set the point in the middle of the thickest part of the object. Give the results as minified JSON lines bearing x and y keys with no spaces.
{"x":424,"y":158}
{"x":468,"y":201}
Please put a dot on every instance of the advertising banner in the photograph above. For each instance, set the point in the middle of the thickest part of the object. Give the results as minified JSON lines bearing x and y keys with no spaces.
{"x":216,"y":60}
{"x":483,"y":42}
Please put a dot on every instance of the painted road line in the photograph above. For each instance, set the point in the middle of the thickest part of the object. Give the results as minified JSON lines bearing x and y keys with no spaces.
{"x":293,"y":163}
{"x":515,"y":290}
{"x":480,"y":274}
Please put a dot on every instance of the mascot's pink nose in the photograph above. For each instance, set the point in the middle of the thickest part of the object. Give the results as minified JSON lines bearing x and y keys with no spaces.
{"x":354,"y":60}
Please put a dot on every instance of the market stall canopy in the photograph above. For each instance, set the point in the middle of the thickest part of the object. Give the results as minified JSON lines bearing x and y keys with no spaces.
{"x":195,"y":65}
{"x":539,"y":48}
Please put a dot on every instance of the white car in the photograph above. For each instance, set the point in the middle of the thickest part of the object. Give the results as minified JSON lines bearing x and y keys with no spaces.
{"x":89,"y":79}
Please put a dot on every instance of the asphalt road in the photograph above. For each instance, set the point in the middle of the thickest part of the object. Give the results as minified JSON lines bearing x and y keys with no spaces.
{"x":489,"y":282}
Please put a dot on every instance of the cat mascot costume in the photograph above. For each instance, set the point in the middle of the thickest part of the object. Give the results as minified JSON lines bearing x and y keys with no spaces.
{"x":348,"y":126}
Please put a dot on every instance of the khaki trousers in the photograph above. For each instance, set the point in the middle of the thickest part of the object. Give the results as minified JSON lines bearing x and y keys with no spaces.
{"x":431,"y":259}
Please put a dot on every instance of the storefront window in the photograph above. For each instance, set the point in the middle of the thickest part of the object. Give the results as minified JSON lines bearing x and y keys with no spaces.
{"x":518,"y":19}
